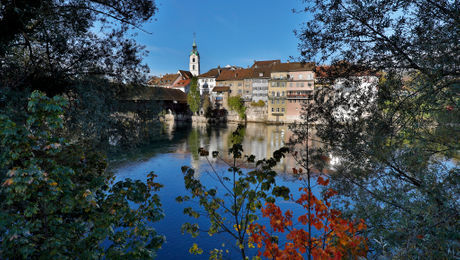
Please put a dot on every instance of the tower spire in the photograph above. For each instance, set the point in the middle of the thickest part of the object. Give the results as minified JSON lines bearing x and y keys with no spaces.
{"x":194,"y":40}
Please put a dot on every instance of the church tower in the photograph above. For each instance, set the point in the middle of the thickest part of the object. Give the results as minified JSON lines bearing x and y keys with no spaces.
{"x":194,"y":60}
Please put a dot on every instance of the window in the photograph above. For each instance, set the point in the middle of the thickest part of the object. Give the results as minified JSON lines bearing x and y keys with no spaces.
{"x":239,"y":84}
{"x":277,"y":109}
{"x":278,"y":101}
{"x":193,"y":67}
{"x":273,"y":110}
{"x":193,"y":60}
{"x":301,"y":84}
{"x":309,"y":84}
{"x":282,"y":109}
{"x":290,"y":84}
{"x":273,"y":102}
{"x":273,"y":93}
{"x":300,"y":76}
{"x":282,"y":94}
{"x":282,"y":101}
{"x":278,"y":94}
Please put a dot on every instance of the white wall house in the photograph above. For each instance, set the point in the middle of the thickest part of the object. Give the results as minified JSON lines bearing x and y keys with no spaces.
{"x":360,"y":93}
{"x":260,"y":90}
{"x":206,"y":84}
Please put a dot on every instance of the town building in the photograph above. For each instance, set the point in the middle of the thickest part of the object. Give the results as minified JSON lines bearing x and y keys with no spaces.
{"x":165,"y":81}
{"x":358,"y":88}
{"x":219,"y":97}
{"x":299,"y":89}
{"x":207,"y":81}
{"x":290,"y":85}
{"x":234,"y":78}
{"x":262,"y":70}
{"x":181,"y":81}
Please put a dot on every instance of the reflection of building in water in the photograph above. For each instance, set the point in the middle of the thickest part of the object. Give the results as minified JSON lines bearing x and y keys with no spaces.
{"x":169,"y":127}
{"x":260,"y":140}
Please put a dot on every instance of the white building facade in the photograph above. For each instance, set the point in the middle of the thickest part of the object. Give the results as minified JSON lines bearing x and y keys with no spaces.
{"x":206,"y":84}
{"x":260,"y":90}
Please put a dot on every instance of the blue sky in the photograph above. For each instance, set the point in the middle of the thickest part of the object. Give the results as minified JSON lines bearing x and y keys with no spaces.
{"x":235,"y":32}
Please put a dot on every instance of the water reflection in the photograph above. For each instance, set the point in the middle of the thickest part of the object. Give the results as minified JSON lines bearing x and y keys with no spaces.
{"x":177,"y":145}
{"x":259,"y":139}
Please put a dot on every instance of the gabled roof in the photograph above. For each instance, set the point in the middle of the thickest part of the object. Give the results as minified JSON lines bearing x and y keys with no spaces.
{"x":153,"y":80}
{"x":182,"y":83}
{"x":185,"y":74}
{"x":167,"y":79}
{"x":293,"y":66}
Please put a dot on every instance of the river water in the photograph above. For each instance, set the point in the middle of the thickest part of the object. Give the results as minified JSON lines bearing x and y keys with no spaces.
{"x":178,"y":146}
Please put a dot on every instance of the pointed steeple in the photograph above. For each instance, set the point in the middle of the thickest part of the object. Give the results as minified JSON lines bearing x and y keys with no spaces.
{"x":194,"y":46}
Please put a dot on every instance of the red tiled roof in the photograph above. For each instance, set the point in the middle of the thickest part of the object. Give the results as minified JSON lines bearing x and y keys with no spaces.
{"x":238,"y":74}
{"x":212,"y":73}
{"x":264,"y":63}
{"x":221,"y":89}
{"x":185,"y":74}
{"x":167,"y":79}
{"x":293,"y":66}
{"x":182,"y":83}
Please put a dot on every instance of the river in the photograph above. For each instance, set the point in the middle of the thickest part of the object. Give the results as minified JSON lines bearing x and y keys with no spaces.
{"x":178,"y":146}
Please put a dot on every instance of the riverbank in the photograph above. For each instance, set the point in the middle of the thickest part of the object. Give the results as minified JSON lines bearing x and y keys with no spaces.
{"x":253,"y":115}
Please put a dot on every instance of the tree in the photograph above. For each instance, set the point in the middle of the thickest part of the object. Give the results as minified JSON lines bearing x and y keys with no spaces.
{"x":79,"y":49}
{"x":206,"y":105}
{"x":57,"y":201}
{"x":395,"y":155}
{"x":236,"y":103}
{"x":338,"y":237}
{"x":232,"y":205}
{"x":193,"y":96}
{"x":49,"y":43}
{"x":259,"y":103}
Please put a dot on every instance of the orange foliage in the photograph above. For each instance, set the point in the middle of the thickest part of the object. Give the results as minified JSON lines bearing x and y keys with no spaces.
{"x":338,"y":237}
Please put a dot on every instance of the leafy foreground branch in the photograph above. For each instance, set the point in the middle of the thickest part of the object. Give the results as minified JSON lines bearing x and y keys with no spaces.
{"x":58,"y":201}
{"x":233,"y":205}
{"x":337,"y":237}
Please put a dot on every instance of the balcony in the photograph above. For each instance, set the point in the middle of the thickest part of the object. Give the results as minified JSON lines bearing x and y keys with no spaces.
{"x":298,"y":96}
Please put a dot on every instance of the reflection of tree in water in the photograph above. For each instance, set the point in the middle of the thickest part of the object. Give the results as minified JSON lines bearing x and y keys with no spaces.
{"x":237,"y":137}
{"x":194,"y":143}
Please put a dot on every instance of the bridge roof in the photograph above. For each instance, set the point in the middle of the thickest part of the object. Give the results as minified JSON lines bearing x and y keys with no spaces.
{"x":155,"y":94}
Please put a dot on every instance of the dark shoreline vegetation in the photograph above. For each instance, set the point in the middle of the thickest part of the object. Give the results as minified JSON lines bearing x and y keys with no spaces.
{"x":66,"y":99}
